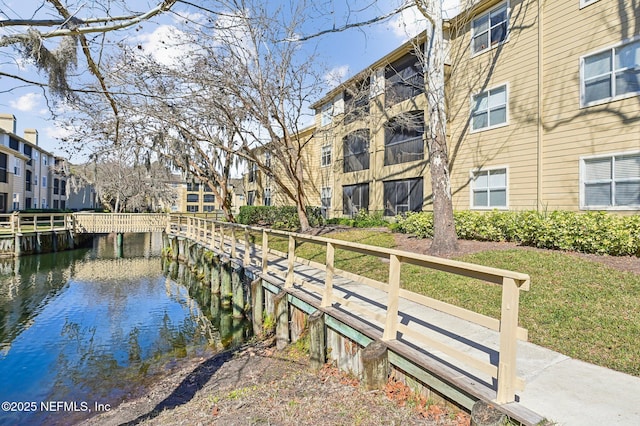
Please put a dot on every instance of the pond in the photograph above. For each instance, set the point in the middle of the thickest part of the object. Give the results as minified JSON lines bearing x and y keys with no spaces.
{"x":82,"y":330}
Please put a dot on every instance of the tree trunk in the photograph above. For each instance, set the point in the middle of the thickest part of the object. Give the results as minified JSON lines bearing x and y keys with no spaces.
{"x":444,"y":231}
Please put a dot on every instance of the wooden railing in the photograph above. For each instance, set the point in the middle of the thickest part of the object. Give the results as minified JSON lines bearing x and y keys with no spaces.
{"x":35,"y":222}
{"x":104,"y":223}
{"x":225,"y":237}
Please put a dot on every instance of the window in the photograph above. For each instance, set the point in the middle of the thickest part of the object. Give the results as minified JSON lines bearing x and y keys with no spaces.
{"x":209,"y":209}
{"x":356,"y":101}
{"x":3,"y":202}
{"x":193,"y":198}
{"x":44,"y":181}
{"x":325,"y":200}
{"x":490,"y":29}
{"x":43,"y":204}
{"x":355,"y":198}
{"x":3,"y":168}
{"x":403,"y":195}
{"x":612,"y":181}
{"x":63,"y":204}
{"x":209,"y":198}
{"x":44,"y":160}
{"x":614,"y":73}
{"x":207,"y":188}
{"x":251,"y":198}
{"x":267,"y":159}
{"x":14,"y":144}
{"x":253,"y":172}
{"x":17,"y":167}
{"x":489,"y":188}
{"x":584,"y":3}
{"x":63,"y":187}
{"x":56,"y":204}
{"x":192,"y":209}
{"x":356,"y":151}
{"x":404,"y":79}
{"x":193,"y":187}
{"x":326,"y":114}
{"x":27,"y":180}
{"x":27,"y":202}
{"x":267,"y":196}
{"x":403,"y":139}
{"x":326,"y":152}
{"x":16,"y":201}
{"x":489,"y":109}
{"x":56,"y":186}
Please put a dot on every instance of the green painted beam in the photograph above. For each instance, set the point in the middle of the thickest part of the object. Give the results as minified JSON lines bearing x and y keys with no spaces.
{"x":347,"y":331}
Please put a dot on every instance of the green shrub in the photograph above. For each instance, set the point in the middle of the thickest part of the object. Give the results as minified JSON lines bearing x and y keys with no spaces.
{"x":591,"y":232}
{"x":278,"y":217}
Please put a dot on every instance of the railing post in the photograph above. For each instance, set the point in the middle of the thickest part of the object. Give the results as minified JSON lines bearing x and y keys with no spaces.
{"x":391,"y":324}
{"x":213,"y":236}
{"x":265,"y":251}
{"x":233,"y":241}
{"x":15,"y":219}
{"x":291,"y":256}
{"x":247,"y":257}
{"x":328,"y":281}
{"x":508,"y":341}
{"x":221,"y":238}
{"x":51,"y":221}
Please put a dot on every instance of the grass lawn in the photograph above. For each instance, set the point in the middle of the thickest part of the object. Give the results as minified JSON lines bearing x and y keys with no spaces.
{"x":580,"y":308}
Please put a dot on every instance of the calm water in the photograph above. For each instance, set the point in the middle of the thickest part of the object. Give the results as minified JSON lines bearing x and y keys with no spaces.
{"x":83,"y":329}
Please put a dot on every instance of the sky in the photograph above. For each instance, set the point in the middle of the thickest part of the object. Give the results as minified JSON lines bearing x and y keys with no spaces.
{"x":342,"y":54}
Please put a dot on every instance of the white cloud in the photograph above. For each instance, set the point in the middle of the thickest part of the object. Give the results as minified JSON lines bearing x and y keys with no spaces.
{"x":167,"y":45}
{"x":26,"y":103}
{"x":336,"y":75}
{"x":410,"y":22}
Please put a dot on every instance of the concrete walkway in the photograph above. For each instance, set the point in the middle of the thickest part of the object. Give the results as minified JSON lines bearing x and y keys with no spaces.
{"x":557,"y":388}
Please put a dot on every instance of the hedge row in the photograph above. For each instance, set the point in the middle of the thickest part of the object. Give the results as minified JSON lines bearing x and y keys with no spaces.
{"x":278,"y":217}
{"x":591,"y":232}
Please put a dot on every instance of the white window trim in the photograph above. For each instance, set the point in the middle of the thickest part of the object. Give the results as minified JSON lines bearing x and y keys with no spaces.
{"x":472,"y":104}
{"x":582,"y":171}
{"x":326,"y":111}
{"x":583,"y":104}
{"x":471,"y":188}
{"x":480,"y":52}
{"x":330,"y":148}
{"x":585,"y":3}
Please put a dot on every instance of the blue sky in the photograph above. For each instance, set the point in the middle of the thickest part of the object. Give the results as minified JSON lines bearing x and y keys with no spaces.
{"x":343,"y":54}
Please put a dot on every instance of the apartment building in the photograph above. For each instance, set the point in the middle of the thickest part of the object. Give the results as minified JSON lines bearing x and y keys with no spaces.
{"x":543,"y":103}
{"x":27,"y":172}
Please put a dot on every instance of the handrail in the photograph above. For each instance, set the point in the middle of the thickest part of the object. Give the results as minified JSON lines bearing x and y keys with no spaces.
{"x":212,"y":233}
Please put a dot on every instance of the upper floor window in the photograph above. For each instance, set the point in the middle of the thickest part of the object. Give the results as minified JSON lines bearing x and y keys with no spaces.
{"x":611,"y":74}
{"x":489,"y":108}
{"x":192,"y":198}
{"x":14,"y":143}
{"x":405,"y":79}
{"x":356,"y":151}
{"x":325,"y":200}
{"x":584,"y":3}
{"x":193,"y":186}
{"x":253,"y":172}
{"x":326,"y":114}
{"x":267,"y":159}
{"x":17,"y":167}
{"x":356,"y":101}
{"x":45,"y":160}
{"x":3,"y":167}
{"x":56,"y":186}
{"x":403,"y":138}
{"x":612,"y":181}
{"x":489,"y":188}
{"x":63,"y":187}
{"x":326,"y":155}
{"x":44,"y":181}
{"x":490,"y":29}
{"x":251,"y":198}
{"x":209,"y":198}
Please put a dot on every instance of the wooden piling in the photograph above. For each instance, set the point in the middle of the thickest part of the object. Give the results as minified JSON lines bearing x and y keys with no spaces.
{"x":317,"y":339}
{"x":282,"y":320}
{"x":375,"y":366}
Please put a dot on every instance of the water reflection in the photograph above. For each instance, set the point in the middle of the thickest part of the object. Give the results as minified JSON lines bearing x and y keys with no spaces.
{"x":89,"y":326}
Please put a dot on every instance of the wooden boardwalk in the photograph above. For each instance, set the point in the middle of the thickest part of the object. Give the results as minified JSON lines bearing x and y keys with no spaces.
{"x":456,"y":352}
